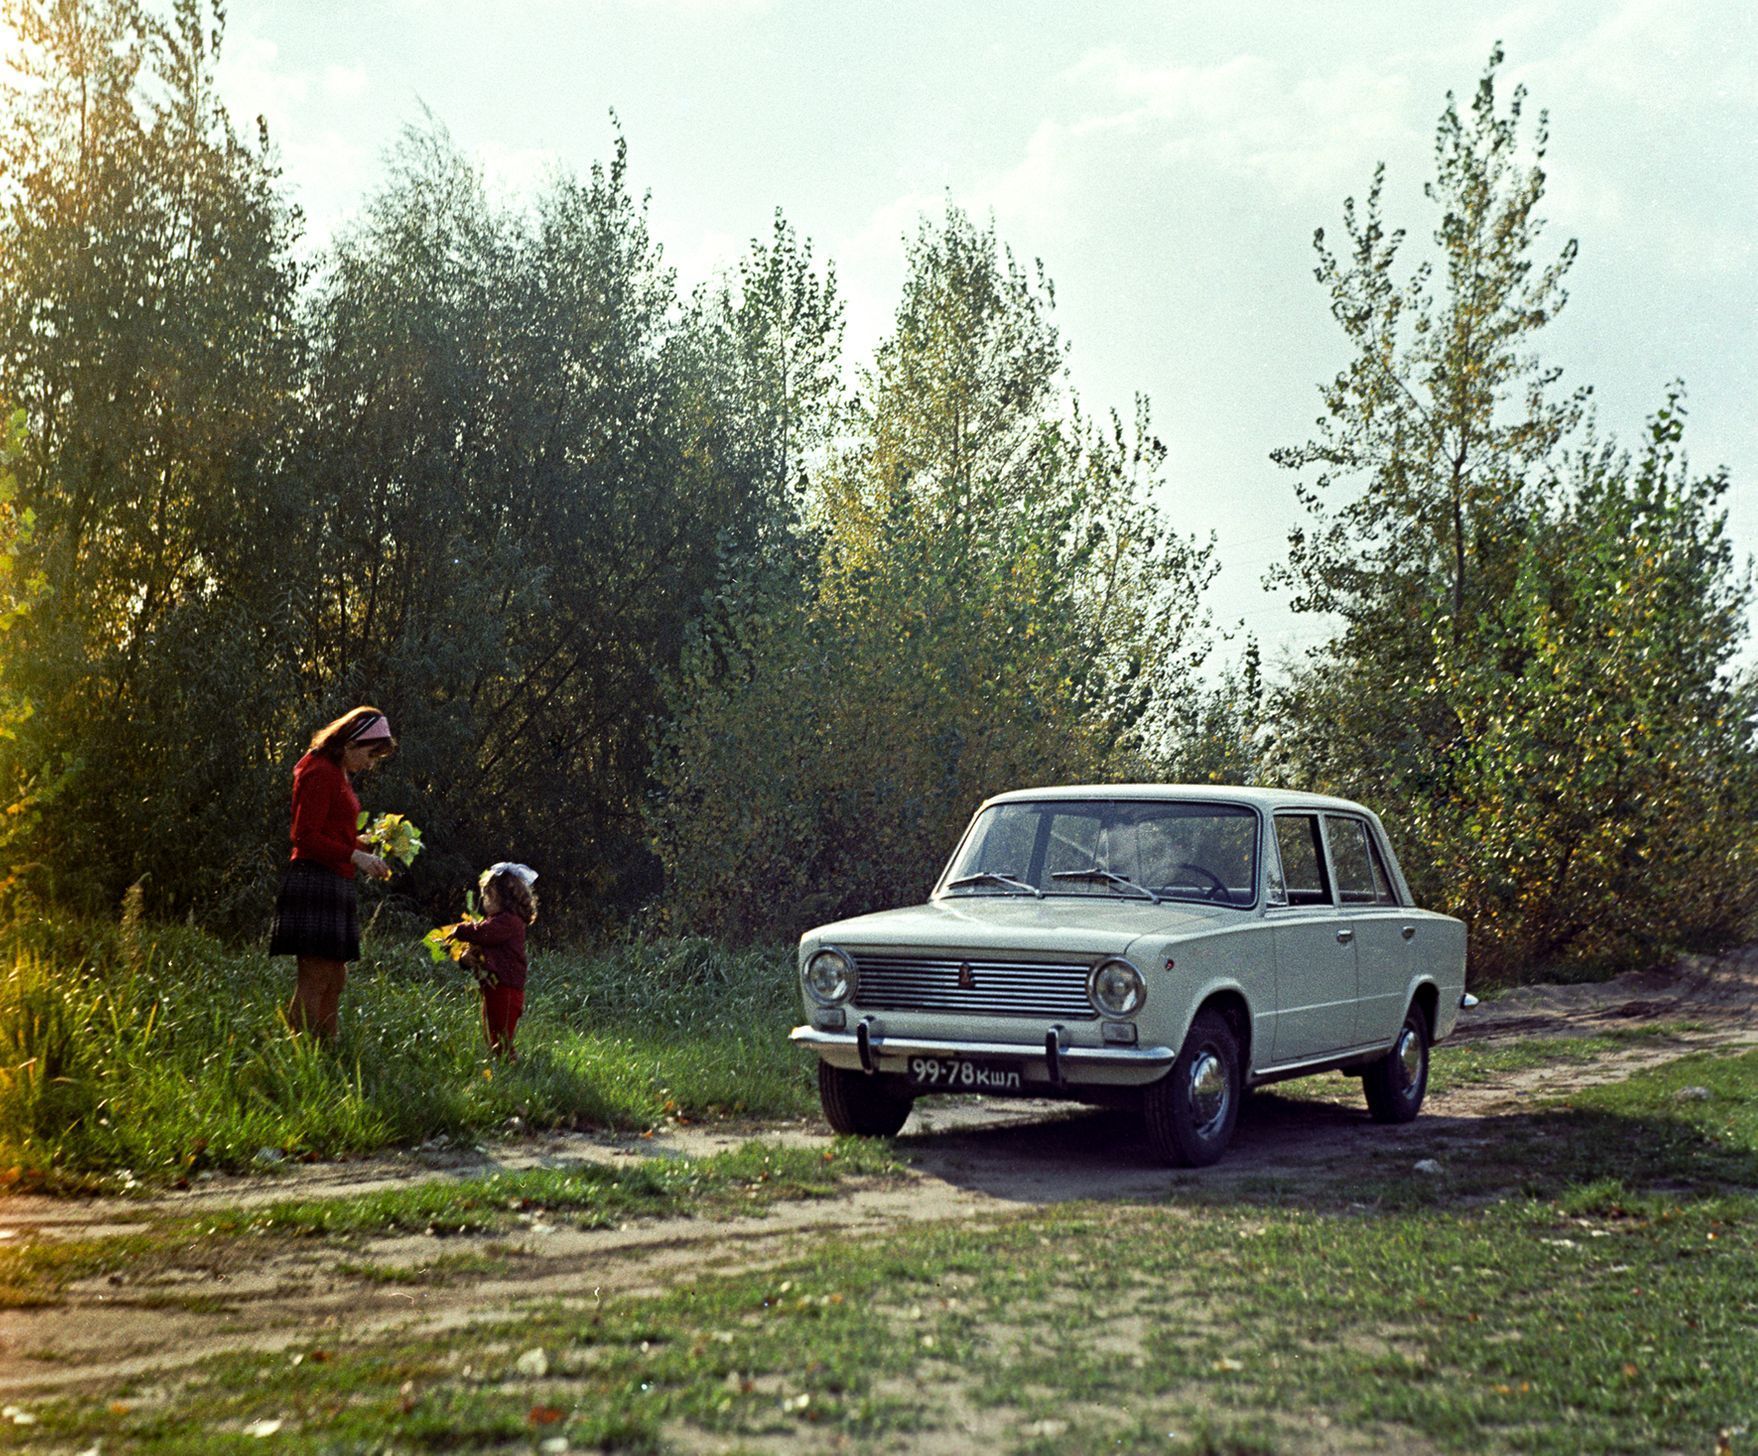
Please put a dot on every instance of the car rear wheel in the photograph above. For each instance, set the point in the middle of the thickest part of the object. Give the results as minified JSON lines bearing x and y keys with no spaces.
{"x":1395,"y":1084}
{"x":861,"y":1105}
{"x":1192,"y":1110}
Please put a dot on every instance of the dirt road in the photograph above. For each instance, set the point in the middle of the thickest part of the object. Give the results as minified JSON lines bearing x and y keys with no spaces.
{"x":971,"y":1160}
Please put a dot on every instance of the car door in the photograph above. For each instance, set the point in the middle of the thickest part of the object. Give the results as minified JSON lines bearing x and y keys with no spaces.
{"x":1368,"y":907}
{"x":1316,"y":978}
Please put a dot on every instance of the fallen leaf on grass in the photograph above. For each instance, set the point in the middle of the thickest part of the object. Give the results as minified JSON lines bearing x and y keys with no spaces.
{"x":544,"y":1415}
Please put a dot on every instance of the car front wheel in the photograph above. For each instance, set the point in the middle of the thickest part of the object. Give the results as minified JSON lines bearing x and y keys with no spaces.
{"x":1192,"y":1110}
{"x":859,"y":1105}
{"x":1395,"y":1084}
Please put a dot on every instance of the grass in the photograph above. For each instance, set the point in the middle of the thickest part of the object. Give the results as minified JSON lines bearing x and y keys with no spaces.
{"x":122,"y":1060}
{"x":1590,"y":1290}
{"x":133,"y":1054}
{"x":745,"y":1180}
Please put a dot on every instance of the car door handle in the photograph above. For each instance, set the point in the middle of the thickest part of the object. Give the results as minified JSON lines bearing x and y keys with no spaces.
{"x":1345,"y":936}
{"x":1409,"y":932}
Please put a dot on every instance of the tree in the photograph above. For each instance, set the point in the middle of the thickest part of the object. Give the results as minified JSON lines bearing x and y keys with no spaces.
{"x":1444,"y":420}
{"x":538,"y":465}
{"x":1606,"y":800}
{"x":994,"y":603}
{"x":20,"y":797}
{"x":775,"y":333}
{"x":147,"y":326}
{"x":1529,"y":670}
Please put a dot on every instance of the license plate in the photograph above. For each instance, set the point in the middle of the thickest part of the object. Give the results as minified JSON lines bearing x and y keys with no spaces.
{"x":959,"y":1074}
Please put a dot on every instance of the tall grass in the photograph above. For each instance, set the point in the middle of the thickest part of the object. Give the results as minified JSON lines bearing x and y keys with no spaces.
{"x":153,"y":1051}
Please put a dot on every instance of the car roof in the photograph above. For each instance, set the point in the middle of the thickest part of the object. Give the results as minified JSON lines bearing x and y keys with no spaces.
{"x":1268,"y":800}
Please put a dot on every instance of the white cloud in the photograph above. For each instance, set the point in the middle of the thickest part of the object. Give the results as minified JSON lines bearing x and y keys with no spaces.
{"x":255,"y":83}
{"x":705,"y":258}
{"x":1636,"y":52}
{"x":345,"y":81}
{"x":1304,"y":134}
{"x":327,"y":164}
{"x":732,"y":8}
{"x":516,"y":174}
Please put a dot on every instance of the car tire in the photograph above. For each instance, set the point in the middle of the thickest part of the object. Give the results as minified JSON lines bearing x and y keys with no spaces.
{"x":1396,"y":1083}
{"x":1191,"y":1111}
{"x":859,"y":1105}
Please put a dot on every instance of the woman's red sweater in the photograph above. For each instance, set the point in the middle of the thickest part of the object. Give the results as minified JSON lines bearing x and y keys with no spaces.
{"x":325,"y":815}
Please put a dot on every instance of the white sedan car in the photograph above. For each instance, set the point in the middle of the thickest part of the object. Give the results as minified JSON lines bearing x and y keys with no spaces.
{"x":1165,"y":947}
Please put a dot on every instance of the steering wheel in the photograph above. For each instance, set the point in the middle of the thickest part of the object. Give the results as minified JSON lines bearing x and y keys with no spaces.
{"x":1219,"y":889}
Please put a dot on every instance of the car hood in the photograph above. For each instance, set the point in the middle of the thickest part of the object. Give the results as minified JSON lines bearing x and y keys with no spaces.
{"x":1090,"y":924}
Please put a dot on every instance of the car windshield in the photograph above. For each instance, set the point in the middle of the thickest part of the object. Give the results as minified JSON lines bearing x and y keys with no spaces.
{"x":1111,"y":849}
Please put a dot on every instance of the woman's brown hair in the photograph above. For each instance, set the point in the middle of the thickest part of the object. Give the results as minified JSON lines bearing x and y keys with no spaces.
{"x":515,"y":895}
{"x":332,"y":738}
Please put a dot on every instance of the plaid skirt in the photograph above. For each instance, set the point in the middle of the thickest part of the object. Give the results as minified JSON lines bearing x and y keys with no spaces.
{"x":316,"y":914}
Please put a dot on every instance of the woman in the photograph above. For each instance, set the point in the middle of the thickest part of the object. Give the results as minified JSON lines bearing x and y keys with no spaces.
{"x":317,"y":917}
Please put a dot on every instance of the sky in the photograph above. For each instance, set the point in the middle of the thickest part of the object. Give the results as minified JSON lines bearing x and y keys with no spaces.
{"x":1167,"y":162}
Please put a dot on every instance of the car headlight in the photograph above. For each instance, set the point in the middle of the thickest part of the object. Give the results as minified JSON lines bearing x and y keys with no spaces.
{"x":1117,"y":988}
{"x":829,"y":976}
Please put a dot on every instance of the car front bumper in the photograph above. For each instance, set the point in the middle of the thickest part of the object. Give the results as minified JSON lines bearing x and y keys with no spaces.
{"x":1056,"y":1063}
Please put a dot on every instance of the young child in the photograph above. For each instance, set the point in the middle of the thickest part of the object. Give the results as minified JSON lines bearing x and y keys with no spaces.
{"x":497,"y":953}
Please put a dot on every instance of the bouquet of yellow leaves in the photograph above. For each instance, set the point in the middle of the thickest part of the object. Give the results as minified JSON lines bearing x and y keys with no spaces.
{"x":391,"y":836}
{"x":442,"y":944}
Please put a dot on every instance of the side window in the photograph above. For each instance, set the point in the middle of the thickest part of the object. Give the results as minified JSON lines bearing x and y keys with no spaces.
{"x":1382,"y":880}
{"x":1303,"y":859}
{"x":1361,"y":878}
{"x":1275,"y":887}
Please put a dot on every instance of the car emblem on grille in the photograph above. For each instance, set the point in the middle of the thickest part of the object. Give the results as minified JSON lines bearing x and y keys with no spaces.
{"x":966,"y":980}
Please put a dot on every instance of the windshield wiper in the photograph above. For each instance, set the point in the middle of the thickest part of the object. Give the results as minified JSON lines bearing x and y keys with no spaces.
{"x":1121,"y":882}
{"x":993,"y":877}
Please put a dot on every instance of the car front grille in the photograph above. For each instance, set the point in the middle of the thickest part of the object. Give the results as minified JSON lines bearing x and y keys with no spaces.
{"x":989,"y":987}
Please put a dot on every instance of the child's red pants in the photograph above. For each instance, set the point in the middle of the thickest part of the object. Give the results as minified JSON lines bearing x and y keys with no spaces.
{"x":501,"y":1009}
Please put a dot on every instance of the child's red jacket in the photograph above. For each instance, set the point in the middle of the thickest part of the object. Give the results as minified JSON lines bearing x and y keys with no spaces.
{"x":502,"y":940}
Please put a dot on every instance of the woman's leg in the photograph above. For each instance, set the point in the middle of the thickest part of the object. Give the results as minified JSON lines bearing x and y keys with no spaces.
{"x":317,"y":995}
{"x":329,"y":1024}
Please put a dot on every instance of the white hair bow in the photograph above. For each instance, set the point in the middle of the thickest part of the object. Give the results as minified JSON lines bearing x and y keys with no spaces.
{"x":507,"y":867}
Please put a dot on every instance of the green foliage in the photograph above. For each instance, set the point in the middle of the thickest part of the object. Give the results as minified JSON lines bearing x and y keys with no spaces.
{"x":19,"y":588}
{"x":165,"y":1053}
{"x":993,"y":603}
{"x":1530,"y":673}
{"x":644,"y":587}
{"x":535,"y":472}
{"x":1605,"y":777}
{"x":146,"y":326}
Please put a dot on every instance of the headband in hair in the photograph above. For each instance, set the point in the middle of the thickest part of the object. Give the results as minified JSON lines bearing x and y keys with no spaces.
{"x":370,"y":730}
{"x":523,"y":873}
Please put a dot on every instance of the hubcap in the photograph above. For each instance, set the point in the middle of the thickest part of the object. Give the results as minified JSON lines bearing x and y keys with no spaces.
{"x":1410,"y":1055}
{"x":1208,"y":1092}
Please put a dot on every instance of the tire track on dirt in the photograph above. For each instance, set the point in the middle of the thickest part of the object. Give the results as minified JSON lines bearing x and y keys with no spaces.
{"x":976,"y":1161}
